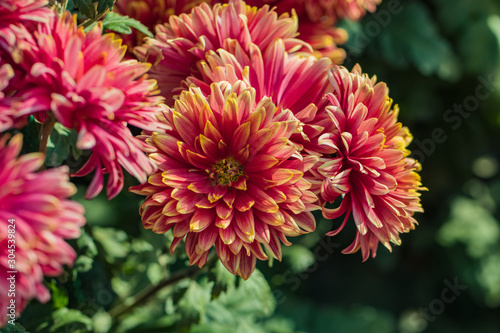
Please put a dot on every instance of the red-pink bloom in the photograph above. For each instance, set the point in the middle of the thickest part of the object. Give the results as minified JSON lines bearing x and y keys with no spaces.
{"x":35,"y":219}
{"x":17,"y":18}
{"x":324,"y":39}
{"x":354,"y":9}
{"x":180,"y":44}
{"x":323,"y":10}
{"x":7,"y":113}
{"x":228,"y":176}
{"x":150,"y":13}
{"x":79,"y":78}
{"x":280,"y":76}
{"x":317,"y":20}
{"x":368,"y":163}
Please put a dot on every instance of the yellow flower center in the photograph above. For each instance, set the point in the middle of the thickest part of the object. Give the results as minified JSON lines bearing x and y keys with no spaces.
{"x":226,"y":171}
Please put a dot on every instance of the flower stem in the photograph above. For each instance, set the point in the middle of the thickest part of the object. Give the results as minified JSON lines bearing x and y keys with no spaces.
{"x":89,"y":22}
{"x":144,"y":296}
{"x":47,"y":128}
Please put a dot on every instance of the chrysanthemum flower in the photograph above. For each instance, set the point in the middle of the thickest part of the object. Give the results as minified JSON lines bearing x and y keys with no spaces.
{"x":280,"y":76}
{"x":228,"y":176}
{"x":323,"y":10}
{"x":6,"y":109}
{"x":150,"y":13}
{"x":354,"y":9}
{"x":35,"y":206}
{"x":368,"y":163}
{"x":186,"y":39}
{"x":79,"y":78}
{"x":324,"y":39}
{"x":17,"y":18}
{"x":317,"y":20}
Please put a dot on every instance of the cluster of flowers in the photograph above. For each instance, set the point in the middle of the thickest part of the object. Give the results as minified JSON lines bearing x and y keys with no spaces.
{"x":318,"y":18}
{"x":246,"y":132}
{"x":53,"y":70}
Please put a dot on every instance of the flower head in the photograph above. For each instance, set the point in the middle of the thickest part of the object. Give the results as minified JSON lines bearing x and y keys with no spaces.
{"x":180,"y":44}
{"x":150,"y":13}
{"x":317,"y":20}
{"x":78,"y":77}
{"x":295,"y":82}
{"x":7,"y":113}
{"x":367,"y":163}
{"x":354,"y":10}
{"x":228,"y":176}
{"x":17,"y":19}
{"x":323,"y":11}
{"x":324,"y":39}
{"x":35,"y":210}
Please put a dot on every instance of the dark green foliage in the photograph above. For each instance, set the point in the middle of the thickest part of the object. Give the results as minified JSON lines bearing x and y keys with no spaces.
{"x":86,"y":8}
{"x":62,"y":142}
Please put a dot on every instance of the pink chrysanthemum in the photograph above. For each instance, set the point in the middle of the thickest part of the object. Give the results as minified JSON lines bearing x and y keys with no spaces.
{"x":179,"y":45}
{"x":280,"y":76}
{"x":228,"y":176}
{"x":17,"y":18}
{"x":273,"y":73}
{"x":324,"y":39}
{"x":368,"y":163}
{"x":35,"y":212}
{"x":317,"y":20}
{"x":354,"y":9}
{"x":323,"y":10}
{"x":79,"y":78}
{"x":150,"y":13}
{"x":7,"y":113}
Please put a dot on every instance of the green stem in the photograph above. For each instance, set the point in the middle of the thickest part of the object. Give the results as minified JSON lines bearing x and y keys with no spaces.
{"x":89,"y":22}
{"x":144,"y":296}
{"x":47,"y":128}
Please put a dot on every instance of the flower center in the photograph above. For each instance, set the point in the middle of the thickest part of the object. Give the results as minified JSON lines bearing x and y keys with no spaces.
{"x":226,"y":171}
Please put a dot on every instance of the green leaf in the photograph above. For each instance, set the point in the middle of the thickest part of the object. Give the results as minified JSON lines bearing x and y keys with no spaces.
{"x":83,"y":263}
{"x":222,"y":276}
{"x":31,"y":136}
{"x":70,"y":320}
{"x":122,"y":24}
{"x":102,"y":321}
{"x":299,"y":257}
{"x":114,"y":242}
{"x":212,"y":328}
{"x":59,"y":296}
{"x":235,"y":306}
{"x":87,"y":250}
{"x":102,"y":5}
{"x":59,"y":145}
{"x":471,"y":225}
{"x":16,"y":328}
{"x":196,"y":298}
{"x":413,"y":38}
{"x":458,"y":15}
{"x":86,"y":8}
{"x":86,"y":244}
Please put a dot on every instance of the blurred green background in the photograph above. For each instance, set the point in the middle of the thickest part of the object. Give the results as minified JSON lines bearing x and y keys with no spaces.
{"x":440,"y":59}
